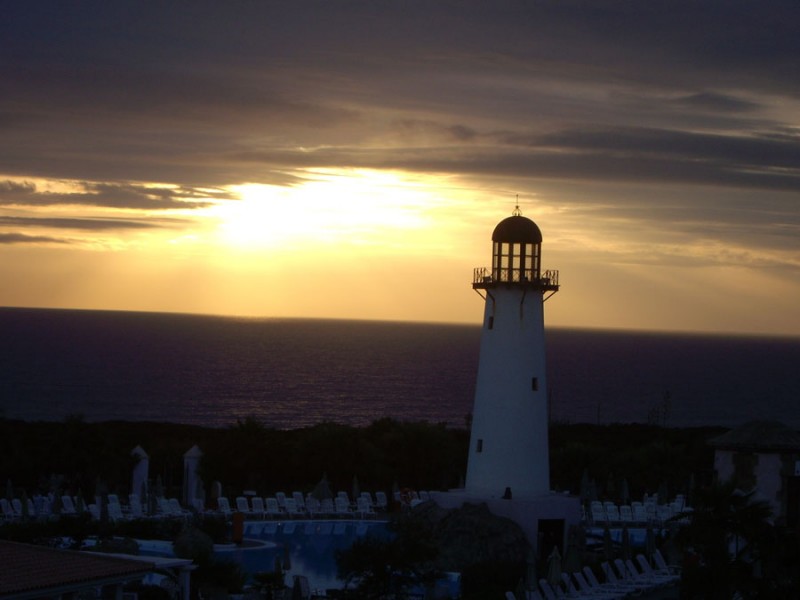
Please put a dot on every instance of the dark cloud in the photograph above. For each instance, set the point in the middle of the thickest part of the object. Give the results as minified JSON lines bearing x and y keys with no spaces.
{"x":84,"y":224}
{"x":716,"y":102}
{"x":112,"y":195}
{"x":20,"y":238}
{"x":210,"y":94}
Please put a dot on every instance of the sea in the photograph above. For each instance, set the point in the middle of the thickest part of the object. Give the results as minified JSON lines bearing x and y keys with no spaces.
{"x":292,"y":373}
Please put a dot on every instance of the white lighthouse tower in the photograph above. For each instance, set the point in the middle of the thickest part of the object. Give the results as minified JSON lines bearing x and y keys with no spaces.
{"x":508,"y":454}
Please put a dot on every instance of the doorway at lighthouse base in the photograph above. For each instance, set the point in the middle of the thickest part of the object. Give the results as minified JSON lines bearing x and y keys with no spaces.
{"x":545,"y":519}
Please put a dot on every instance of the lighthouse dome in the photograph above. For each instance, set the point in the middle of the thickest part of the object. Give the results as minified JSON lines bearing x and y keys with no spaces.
{"x":517,"y":230}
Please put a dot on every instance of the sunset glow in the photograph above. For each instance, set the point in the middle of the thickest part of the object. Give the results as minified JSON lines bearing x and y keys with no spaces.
{"x":356,"y":169}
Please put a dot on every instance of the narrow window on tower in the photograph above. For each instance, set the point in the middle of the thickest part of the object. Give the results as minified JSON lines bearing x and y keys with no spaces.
{"x":490,"y":323}
{"x":479,"y":446}
{"x":535,"y":384}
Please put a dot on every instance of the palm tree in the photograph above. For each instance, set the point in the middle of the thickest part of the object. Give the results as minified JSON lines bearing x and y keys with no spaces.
{"x":725,"y":531}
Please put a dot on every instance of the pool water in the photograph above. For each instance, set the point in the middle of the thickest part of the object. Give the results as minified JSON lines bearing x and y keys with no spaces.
{"x":309,"y":545}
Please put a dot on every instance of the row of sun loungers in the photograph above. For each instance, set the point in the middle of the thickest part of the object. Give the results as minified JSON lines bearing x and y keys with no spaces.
{"x":296,"y":505}
{"x":280,"y":506}
{"x":621,"y":579}
{"x":642,"y":513}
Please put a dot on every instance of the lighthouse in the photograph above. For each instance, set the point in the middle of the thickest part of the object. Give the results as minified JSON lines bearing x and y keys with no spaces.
{"x":508,"y":466}
{"x":508,"y":453}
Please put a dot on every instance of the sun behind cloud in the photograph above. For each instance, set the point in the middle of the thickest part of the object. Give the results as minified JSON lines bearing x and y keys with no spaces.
{"x":335,"y":209}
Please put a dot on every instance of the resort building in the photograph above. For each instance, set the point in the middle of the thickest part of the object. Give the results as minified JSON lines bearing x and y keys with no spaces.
{"x":763,"y":456}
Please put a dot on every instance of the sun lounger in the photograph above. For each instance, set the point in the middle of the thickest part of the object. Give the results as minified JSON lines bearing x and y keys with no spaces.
{"x":291,"y":508}
{"x":363,"y":507}
{"x":342,"y":507}
{"x":612,"y":513}
{"x":135,"y":506}
{"x":585,"y":589}
{"x":273,"y":508}
{"x":7,"y":509}
{"x":243,"y":506}
{"x":345,"y":499}
{"x":626,"y":513}
{"x":598,"y":513}
{"x":68,"y":506}
{"x":621,"y":581}
{"x":649,"y":572}
{"x":381,"y":501}
{"x":94,"y":510}
{"x":114,"y":511}
{"x":312,"y":506}
{"x":549,"y":592}
{"x":224,"y":506}
{"x":326,"y":507}
{"x":571,"y":590}
{"x":621,"y":588}
{"x":299,"y":501}
{"x":629,"y":572}
{"x":258,"y":507}
{"x":281,"y":498}
{"x":639,"y":512}
{"x":661,"y":565}
{"x":175,"y":508}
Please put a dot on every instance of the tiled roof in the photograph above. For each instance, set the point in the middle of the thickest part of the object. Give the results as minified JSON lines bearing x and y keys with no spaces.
{"x":26,"y":570}
{"x":759,"y":435}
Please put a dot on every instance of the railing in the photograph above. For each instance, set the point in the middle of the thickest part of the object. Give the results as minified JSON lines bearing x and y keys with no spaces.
{"x":482,"y":276}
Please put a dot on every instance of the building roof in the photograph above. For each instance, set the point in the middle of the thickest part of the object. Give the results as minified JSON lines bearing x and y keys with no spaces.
{"x":759,"y":435}
{"x":517,"y":230}
{"x":28,"y":571}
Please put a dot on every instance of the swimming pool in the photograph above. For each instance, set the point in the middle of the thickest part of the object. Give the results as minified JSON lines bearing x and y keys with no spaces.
{"x":310,"y":546}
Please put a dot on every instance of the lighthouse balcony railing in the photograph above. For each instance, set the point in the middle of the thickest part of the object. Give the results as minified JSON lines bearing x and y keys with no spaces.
{"x":485,"y":277}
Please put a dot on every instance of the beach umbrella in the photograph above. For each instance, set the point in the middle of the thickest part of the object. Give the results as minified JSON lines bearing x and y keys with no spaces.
{"x":140,"y":471}
{"x":191,"y":474}
{"x":200,"y":495}
{"x":322,"y":490}
{"x":554,"y":567}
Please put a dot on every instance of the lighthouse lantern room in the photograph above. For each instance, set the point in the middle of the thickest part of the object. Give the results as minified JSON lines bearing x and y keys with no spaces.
{"x":508,"y":452}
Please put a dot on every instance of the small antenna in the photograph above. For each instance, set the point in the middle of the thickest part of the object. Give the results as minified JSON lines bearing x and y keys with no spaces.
{"x":517,"y":212}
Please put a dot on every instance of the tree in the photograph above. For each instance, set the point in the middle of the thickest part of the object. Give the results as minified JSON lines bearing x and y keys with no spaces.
{"x":389,"y":567}
{"x":726,"y":532}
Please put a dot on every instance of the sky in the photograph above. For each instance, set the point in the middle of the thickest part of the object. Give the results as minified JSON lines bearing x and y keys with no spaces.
{"x":350,"y":159}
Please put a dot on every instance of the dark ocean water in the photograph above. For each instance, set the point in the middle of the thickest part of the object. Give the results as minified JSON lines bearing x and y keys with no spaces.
{"x":291,"y":373}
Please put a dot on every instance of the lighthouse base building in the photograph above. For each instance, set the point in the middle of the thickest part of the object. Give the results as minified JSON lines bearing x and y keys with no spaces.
{"x":508,"y":466}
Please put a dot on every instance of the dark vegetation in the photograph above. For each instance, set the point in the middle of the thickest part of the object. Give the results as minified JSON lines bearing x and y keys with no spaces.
{"x":74,"y":455}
